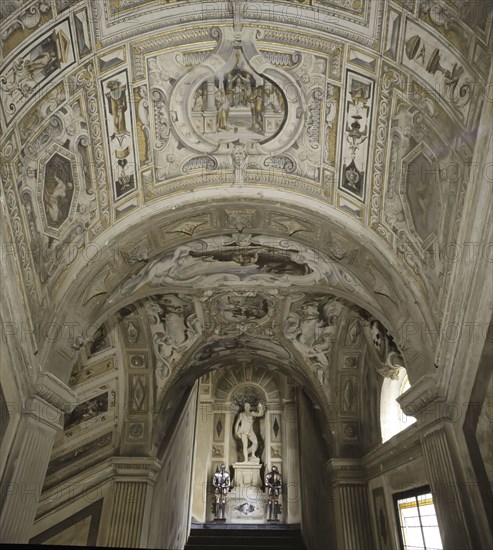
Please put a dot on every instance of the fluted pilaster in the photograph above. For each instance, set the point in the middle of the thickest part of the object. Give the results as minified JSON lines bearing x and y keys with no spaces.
{"x":27,"y":464}
{"x":128,"y":524}
{"x":127,"y":514}
{"x":351,"y":505}
{"x":445,"y":489}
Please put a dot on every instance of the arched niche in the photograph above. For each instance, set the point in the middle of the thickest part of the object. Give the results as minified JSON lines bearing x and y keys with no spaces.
{"x":254,"y":385}
{"x":222,"y":395}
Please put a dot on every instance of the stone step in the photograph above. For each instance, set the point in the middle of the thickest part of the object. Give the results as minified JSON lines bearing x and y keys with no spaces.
{"x":250,"y":537}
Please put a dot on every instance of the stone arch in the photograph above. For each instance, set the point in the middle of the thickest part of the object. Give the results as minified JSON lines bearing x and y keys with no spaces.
{"x":409,"y":321}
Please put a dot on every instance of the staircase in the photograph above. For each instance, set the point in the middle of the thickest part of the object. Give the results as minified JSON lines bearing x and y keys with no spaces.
{"x":243,"y":537}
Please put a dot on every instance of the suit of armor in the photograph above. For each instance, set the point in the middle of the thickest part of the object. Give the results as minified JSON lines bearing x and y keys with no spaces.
{"x":221,"y":484}
{"x":273,"y":482}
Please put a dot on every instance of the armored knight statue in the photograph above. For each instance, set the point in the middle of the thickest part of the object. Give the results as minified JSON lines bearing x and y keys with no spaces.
{"x":221,"y":484}
{"x":273,"y":483}
{"x":244,"y":431}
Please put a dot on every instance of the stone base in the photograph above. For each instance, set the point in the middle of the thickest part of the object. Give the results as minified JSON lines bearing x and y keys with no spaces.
{"x":247,"y":474}
{"x":246,"y":502}
{"x":271,"y":122}
{"x":210,"y":122}
{"x":246,"y":508}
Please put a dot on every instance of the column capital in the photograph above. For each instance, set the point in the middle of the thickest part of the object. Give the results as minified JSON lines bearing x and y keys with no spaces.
{"x":139,"y":468}
{"x":346,"y":470}
{"x":50,"y":399}
{"x":55,"y":392}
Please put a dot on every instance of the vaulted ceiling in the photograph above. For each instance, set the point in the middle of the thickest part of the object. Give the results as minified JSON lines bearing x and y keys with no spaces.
{"x":186,"y":183}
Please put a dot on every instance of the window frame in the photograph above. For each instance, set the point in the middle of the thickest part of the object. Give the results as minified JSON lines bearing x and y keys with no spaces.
{"x":415,"y":492}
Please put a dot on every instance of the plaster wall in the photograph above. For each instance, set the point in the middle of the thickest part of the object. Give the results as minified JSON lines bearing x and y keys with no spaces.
{"x":170,"y":515}
{"x":382,"y":488}
{"x":317,"y":514}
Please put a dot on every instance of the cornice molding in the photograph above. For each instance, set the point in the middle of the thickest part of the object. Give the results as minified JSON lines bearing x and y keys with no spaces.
{"x":49,"y":388}
{"x":421,"y":394}
{"x":346,"y":470}
{"x":127,"y":469}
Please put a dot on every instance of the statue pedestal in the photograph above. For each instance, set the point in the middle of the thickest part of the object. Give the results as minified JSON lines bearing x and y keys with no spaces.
{"x":210,"y":122}
{"x":271,"y":122}
{"x":247,"y":474}
{"x":247,"y":502}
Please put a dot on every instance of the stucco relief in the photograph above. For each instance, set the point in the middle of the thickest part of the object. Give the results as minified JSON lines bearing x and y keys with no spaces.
{"x":422,"y":192}
{"x":242,"y":307}
{"x":232,"y":105}
{"x":389,"y":360}
{"x":244,"y":260}
{"x":313,"y":326}
{"x":241,"y":105}
{"x":56,"y":188}
{"x":174,"y":327}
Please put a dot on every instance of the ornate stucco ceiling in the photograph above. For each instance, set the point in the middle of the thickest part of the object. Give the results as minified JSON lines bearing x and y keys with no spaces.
{"x":170,"y":166}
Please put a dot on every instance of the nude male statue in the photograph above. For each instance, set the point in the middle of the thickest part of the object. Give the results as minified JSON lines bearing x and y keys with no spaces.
{"x":244,"y":430}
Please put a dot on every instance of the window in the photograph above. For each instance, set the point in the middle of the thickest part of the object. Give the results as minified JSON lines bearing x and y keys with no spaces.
{"x":417,"y":520}
{"x":392,"y":419}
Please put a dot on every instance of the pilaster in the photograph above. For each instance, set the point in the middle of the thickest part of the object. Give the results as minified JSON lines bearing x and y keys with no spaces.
{"x":351,"y":504}
{"x":445,"y":488}
{"x":451,"y":492}
{"x":129,"y":507}
{"x":26,"y":465}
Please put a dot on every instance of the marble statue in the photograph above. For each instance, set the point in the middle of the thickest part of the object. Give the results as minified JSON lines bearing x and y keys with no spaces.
{"x":273,"y":482}
{"x":244,"y":431}
{"x":221,"y":482}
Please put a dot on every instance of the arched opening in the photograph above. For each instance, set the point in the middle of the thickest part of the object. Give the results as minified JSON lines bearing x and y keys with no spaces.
{"x":393,"y":420}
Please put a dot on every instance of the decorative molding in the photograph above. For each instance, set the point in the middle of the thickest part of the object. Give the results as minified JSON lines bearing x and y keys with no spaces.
{"x":55,"y":392}
{"x":421,"y":394}
{"x":135,"y":468}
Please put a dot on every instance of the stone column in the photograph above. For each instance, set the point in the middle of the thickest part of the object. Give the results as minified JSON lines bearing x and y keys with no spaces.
{"x":351,"y":504}
{"x":128,"y":513}
{"x":41,"y":418}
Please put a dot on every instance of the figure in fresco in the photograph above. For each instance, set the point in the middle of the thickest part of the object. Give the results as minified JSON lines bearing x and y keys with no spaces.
{"x":56,"y":199}
{"x":117,"y":106}
{"x":29,"y":71}
{"x":229,"y":87}
{"x":221,"y":482}
{"x":58,"y":190}
{"x":257,"y":108}
{"x":245,"y":87}
{"x":198,"y":104}
{"x":244,"y":431}
{"x":237,"y":92}
{"x":222,"y":106}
